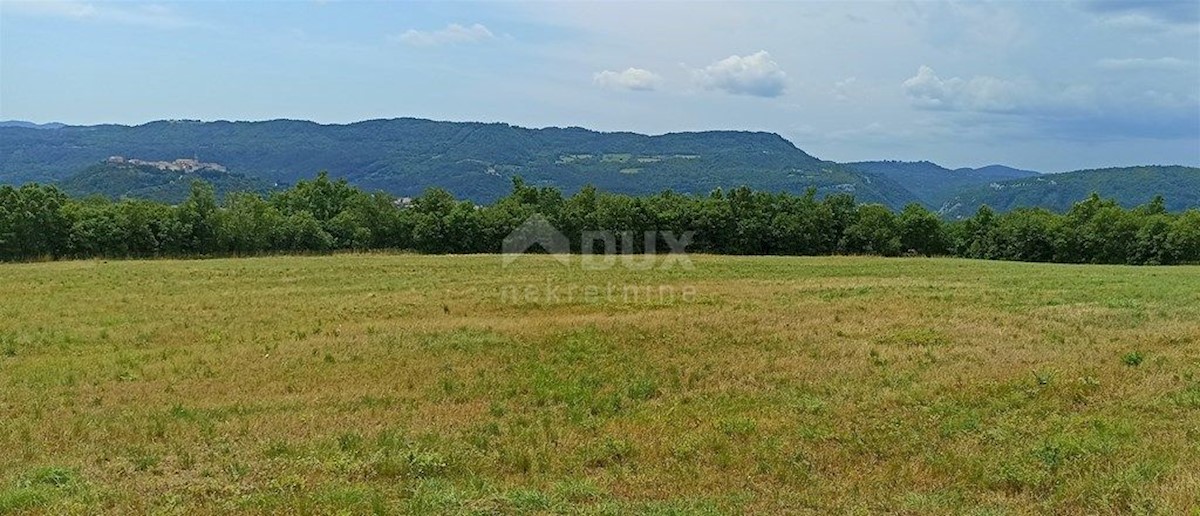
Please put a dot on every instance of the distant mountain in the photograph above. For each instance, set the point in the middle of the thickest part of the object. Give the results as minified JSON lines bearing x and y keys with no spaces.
{"x":1130,"y":186}
{"x":472,"y":160}
{"x":117,"y":180}
{"x":933,"y":184}
{"x":31,"y":125}
{"x":477,"y":161}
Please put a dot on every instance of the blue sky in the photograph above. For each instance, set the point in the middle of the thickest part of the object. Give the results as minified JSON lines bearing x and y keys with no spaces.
{"x":1045,"y":85}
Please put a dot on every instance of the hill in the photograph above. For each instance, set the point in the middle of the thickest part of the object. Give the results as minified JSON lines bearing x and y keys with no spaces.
{"x":934,"y":184}
{"x":472,"y":160}
{"x":1130,"y":186}
{"x":117,"y":180}
{"x":31,"y":125}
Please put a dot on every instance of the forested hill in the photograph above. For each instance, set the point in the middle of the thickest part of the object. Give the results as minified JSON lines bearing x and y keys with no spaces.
{"x":935,"y":184}
{"x":472,"y":160}
{"x":117,"y":181}
{"x":1130,"y":186}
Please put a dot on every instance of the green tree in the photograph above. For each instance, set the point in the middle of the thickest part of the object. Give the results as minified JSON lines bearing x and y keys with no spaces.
{"x":32,"y":223}
{"x":1184,"y":237}
{"x":196,"y":230}
{"x":303,"y":232}
{"x":431,"y":214}
{"x":921,"y":231}
{"x":875,"y":231}
{"x":980,"y":235}
{"x":843,"y":214}
{"x":1026,"y":235}
{"x":249,"y":225}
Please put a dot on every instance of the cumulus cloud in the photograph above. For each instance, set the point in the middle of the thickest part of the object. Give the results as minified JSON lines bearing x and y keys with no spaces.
{"x":842,"y":89}
{"x":756,"y":74}
{"x":452,"y":34}
{"x":1166,"y":11}
{"x":1141,"y":63}
{"x":980,"y":93}
{"x":1082,"y":111}
{"x":635,"y":79}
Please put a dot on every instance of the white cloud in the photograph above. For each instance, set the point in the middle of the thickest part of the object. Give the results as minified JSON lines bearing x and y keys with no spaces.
{"x":756,"y":74}
{"x":155,"y":16}
{"x":63,"y":8}
{"x":1141,"y":63}
{"x":980,"y":93}
{"x":1166,"y":11}
{"x":452,"y":34}
{"x":1105,"y":110}
{"x":635,"y":79}
{"x":843,"y":89}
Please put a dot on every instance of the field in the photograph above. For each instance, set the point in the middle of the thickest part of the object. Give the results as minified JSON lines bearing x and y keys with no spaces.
{"x":415,"y":384}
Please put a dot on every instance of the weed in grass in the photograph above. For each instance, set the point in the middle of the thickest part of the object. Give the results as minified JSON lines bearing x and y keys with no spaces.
{"x":578,"y":491}
{"x":737,"y":426}
{"x":915,"y":337}
{"x":350,"y":442}
{"x":41,"y":487}
{"x":1189,"y":397}
{"x":609,"y":452}
{"x":529,"y":501}
{"x":643,"y":389}
{"x":278,"y":449}
{"x":1133,"y":358}
{"x":56,"y":477}
{"x":143,"y":460}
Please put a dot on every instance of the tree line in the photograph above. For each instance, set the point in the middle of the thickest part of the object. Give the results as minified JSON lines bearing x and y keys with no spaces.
{"x":321,"y":215}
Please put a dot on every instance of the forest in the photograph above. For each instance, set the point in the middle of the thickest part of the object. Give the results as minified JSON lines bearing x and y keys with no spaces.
{"x":320,"y":215}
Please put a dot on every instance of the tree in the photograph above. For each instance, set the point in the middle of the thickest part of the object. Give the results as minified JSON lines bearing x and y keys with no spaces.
{"x":322,"y":198}
{"x":803,"y":225}
{"x":32,"y":223}
{"x":96,"y":229}
{"x":431,"y":212}
{"x":196,"y":232}
{"x":1026,"y":235}
{"x":321,"y":214}
{"x":303,"y":232}
{"x":1152,"y":243}
{"x":148,"y":227}
{"x":875,"y":231}
{"x":249,"y":225}
{"x":1184,"y":237}
{"x":752,"y":216}
{"x":921,"y":231}
{"x":843,"y":214}
{"x":980,"y":235}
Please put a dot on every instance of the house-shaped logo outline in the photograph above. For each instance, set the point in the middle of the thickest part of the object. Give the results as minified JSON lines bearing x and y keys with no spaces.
{"x":536,"y":231}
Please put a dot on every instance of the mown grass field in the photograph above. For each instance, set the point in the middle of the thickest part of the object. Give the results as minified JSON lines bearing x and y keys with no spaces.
{"x":409,"y":384}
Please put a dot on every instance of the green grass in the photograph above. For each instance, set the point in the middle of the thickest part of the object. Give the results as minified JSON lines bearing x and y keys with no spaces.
{"x":415,"y":384}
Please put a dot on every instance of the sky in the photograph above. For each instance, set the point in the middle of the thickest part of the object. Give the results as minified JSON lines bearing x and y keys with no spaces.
{"x":1043,"y":85}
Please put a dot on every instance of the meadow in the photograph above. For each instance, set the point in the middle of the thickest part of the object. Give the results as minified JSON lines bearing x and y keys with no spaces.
{"x":376,"y":383}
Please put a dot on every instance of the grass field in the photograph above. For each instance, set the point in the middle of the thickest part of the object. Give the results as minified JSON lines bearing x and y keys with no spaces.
{"x":412,"y":384}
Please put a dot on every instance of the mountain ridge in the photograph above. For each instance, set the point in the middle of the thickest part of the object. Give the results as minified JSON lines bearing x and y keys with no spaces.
{"x":934,"y":184}
{"x":478,"y":160}
{"x":473,"y":160}
{"x":1130,"y":186}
